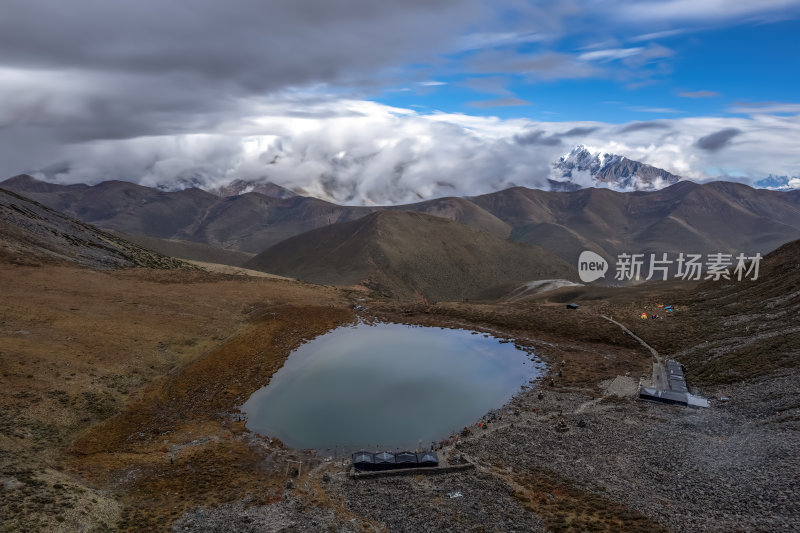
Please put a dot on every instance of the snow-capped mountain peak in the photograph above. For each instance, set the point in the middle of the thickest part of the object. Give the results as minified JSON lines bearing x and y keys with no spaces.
{"x":585,"y":158}
{"x":584,"y":166}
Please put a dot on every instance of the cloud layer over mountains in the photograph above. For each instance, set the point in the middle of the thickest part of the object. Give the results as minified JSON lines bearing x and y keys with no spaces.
{"x":355,"y":152}
{"x":174,"y":94}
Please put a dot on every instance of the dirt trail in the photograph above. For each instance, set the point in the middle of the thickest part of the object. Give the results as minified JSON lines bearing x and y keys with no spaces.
{"x":639,"y":339}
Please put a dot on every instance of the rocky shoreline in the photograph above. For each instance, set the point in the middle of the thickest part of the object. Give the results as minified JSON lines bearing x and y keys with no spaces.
{"x":728,"y":468}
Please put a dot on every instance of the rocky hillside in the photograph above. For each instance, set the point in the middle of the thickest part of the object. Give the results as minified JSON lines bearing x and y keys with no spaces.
{"x":750,"y":328}
{"x":31,"y":234}
{"x":733,"y":331}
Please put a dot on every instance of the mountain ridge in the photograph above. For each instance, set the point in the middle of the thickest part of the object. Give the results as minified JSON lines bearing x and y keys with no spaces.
{"x":687,"y":216}
{"x":410,"y":254}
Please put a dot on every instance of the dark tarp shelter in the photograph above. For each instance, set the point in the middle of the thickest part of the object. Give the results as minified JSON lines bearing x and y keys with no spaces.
{"x":384,"y":461}
{"x":406,"y":460}
{"x":426,"y":459}
{"x":363,"y":461}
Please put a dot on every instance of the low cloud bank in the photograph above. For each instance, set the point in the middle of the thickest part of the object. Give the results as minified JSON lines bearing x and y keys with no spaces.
{"x":361,"y":152}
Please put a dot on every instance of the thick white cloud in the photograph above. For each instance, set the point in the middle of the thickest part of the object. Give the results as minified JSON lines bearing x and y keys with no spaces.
{"x":705,"y":10}
{"x":207,"y":92}
{"x":356,"y":152}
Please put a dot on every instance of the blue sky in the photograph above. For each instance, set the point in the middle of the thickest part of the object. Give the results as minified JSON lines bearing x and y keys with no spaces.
{"x":704,"y":69}
{"x":359,"y":101}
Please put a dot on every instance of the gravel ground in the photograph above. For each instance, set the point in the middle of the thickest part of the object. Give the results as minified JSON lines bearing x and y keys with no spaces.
{"x":446,"y":502}
{"x":290,"y":514}
{"x":732,"y":467}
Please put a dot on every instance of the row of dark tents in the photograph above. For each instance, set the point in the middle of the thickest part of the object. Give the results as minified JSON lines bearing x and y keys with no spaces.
{"x":367,"y":461}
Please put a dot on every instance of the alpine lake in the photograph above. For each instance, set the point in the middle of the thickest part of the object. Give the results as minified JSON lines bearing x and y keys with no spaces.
{"x":388,"y":386}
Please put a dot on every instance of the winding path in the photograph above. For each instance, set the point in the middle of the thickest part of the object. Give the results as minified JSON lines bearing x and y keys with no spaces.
{"x":632,"y":334}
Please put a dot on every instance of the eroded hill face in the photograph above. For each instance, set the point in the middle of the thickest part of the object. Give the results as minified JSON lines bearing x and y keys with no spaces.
{"x":31,"y":233}
{"x":406,"y":254}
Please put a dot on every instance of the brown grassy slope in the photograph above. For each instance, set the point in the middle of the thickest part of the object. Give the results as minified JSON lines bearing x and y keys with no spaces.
{"x":252,"y":222}
{"x":405,"y":253}
{"x":78,"y":345}
{"x":463,"y":211}
{"x":193,"y":404}
{"x":192,"y":251}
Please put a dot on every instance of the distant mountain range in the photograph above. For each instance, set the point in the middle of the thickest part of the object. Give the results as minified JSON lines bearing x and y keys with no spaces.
{"x":581,"y":167}
{"x":248,"y":222}
{"x":684,"y":217}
